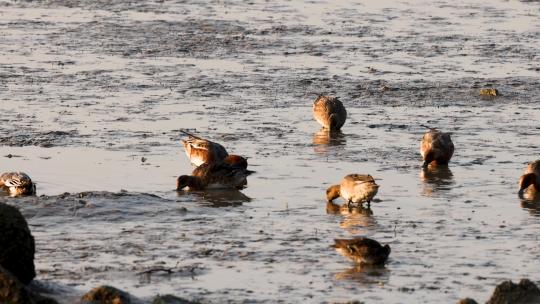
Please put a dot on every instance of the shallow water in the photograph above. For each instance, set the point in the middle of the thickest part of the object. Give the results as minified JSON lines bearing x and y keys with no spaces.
{"x":89,"y":88}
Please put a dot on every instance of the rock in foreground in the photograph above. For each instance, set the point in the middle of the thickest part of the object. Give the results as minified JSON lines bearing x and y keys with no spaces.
{"x":12,"y":291}
{"x":106,"y":295}
{"x":170,"y":299}
{"x":526,"y":292}
{"x":17,"y":245}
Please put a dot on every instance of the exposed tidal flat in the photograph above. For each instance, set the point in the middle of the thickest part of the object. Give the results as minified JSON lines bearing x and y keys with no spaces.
{"x":90,"y":88}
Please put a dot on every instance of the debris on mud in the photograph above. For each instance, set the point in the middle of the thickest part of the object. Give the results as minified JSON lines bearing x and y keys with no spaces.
{"x":489,"y":92}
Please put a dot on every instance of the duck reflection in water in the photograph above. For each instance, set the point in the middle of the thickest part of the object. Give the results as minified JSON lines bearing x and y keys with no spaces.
{"x":365,"y":274}
{"x":217,"y":197}
{"x":357,"y":220}
{"x":436,"y":178}
{"x":325,"y":140}
{"x":532,"y":205}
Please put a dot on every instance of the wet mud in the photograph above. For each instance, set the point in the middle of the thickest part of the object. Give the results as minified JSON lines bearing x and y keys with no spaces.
{"x":94,"y":95}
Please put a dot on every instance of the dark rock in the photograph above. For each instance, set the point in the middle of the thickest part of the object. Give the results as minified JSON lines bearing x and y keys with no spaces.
{"x":106,"y":295}
{"x":526,"y":292}
{"x":170,"y":299}
{"x":17,"y":245}
{"x":467,"y":301}
{"x":12,"y":291}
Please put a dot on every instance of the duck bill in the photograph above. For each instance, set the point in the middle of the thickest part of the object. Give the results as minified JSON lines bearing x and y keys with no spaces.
{"x":521,"y":192}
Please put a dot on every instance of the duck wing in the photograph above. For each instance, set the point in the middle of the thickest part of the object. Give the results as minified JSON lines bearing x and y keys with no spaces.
{"x":15,"y":179}
{"x":221,"y":174}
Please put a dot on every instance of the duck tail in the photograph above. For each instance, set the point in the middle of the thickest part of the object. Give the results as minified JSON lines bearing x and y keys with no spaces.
{"x":189,"y":134}
{"x":428,"y":127}
{"x":249,"y":172}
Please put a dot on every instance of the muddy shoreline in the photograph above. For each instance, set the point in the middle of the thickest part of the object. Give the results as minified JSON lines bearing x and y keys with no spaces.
{"x":90,"y":88}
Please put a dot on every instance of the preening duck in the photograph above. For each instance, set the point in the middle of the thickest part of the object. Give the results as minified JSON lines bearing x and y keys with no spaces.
{"x":529,"y":182}
{"x":17,"y":183}
{"x":200,"y":151}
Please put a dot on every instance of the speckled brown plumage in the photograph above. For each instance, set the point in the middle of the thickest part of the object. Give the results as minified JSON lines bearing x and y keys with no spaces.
{"x":354,"y":188}
{"x":17,"y":183}
{"x":329,"y":112}
{"x":214,"y":176}
{"x":363,"y":250}
{"x":436,"y":147}
{"x":200,"y":151}
{"x":529,"y":183}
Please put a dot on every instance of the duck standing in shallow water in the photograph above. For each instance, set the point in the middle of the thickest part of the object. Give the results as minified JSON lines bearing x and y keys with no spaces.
{"x":354,"y":188}
{"x":17,"y":183}
{"x":200,"y":151}
{"x":363,"y":250}
{"x":437,"y":147}
{"x":329,"y":112}
{"x":214,"y":176}
{"x":530,"y":181}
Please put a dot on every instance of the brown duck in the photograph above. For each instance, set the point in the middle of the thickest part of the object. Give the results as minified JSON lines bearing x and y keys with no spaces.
{"x":363,"y":250}
{"x":214,"y":176}
{"x":200,"y":151}
{"x":329,"y":112}
{"x":437,"y":147}
{"x":530,"y":181}
{"x":354,"y":188}
{"x":17,"y":183}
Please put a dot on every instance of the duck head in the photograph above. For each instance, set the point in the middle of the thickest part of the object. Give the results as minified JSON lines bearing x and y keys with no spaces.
{"x":236,"y":161}
{"x":525,"y":181}
{"x":185,"y":181}
{"x":332,"y":193}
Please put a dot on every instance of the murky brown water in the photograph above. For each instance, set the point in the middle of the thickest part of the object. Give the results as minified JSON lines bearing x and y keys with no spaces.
{"x":88,"y":88}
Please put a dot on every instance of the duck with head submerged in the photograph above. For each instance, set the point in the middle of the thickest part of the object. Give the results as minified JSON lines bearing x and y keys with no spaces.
{"x":354,"y":188}
{"x":17,"y":183}
{"x":436,"y":147}
{"x":530,"y":181}
{"x":214,"y":176}
{"x":329,"y":112}
{"x":363,"y":250}
{"x":200,"y":151}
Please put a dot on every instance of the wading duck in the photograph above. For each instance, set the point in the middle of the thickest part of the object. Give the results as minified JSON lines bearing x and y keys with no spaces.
{"x":17,"y":183}
{"x":354,"y":188}
{"x":530,"y":181}
{"x":200,"y":151}
{"x":363,"y":250}
{"x":329,"y":112}
{"x":214,"y":176}
{"x":437,"y":147}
